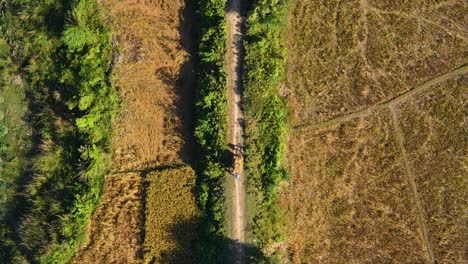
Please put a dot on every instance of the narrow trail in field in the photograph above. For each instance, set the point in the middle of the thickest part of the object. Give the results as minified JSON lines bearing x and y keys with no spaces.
{"x":412,"y":182}
{"x":234,"y":62}
{"x":463,"y":70}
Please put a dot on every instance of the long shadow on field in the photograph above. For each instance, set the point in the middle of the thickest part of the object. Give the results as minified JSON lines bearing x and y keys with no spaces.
{"x":185,"y":84}
{"x":183,"y":242}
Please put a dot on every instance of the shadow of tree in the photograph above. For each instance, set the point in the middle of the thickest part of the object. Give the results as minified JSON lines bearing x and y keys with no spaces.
{"x":184,"y":244}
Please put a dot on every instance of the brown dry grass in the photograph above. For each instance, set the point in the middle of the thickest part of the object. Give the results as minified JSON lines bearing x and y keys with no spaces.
{"x":170,"y":216}
{"x":114,"y":232}
{"x":346,"y":55}
{"x":388,"y":185}
{"x":150,"y":131}
{"x":435,"y":135}
{"x":349,"y":198}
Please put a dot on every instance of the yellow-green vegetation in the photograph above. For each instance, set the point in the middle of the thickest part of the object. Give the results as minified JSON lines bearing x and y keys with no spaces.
{"x":211,"y":127}
{"x":377,"y":150}
{"x":266,"y":114}
{"x":171,"y":212}
{"x":62,"y":53}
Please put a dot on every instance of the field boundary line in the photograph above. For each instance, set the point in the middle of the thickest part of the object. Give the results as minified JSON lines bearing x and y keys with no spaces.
{"x":412,"y":181}
{"x":462,"y":70}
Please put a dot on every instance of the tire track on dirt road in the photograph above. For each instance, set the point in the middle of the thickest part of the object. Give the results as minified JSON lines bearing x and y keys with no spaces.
{"x":234,"y":61}
{"x":463,"y":70}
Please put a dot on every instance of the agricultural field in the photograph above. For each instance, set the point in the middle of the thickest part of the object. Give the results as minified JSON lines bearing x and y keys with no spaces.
{"x":377,"y":144}
{"x":434,"y":133}
{"x":151,"y":72}
{"x":119,"y":120}
{"x":170,"y":216}
{"x":115,"y":234}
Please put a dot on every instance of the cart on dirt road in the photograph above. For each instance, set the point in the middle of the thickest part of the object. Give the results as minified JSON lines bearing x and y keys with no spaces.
{"x":238,"y":163}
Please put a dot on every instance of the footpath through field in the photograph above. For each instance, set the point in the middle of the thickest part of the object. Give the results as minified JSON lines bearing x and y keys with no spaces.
{"x":234,"y":61}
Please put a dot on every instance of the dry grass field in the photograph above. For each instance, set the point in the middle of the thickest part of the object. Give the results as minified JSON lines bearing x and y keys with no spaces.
{"x":170,"y":216}
{"x":149,"y":77}
{"x":354,"y":54}
{"x":377,"y":152}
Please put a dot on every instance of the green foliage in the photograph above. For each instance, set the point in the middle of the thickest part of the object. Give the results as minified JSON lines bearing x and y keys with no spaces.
{"x":211,"y":128}
{"x":266,"y":113}
{"x":64,"y":53}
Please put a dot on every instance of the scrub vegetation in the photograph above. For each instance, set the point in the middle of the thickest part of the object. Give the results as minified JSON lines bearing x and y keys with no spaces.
{"x":62,"y":53}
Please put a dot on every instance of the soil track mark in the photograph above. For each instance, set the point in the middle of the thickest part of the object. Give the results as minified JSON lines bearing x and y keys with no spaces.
{"x":234,"y":62}
{"x":463,"y":70}
{"x":411,"y":179}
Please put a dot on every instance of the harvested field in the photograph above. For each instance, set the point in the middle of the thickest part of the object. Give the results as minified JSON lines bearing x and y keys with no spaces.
{"x":170,"y":216}
{"x":149,"y":77}
{"x":377,"y":152}
{"x":115,"y":229}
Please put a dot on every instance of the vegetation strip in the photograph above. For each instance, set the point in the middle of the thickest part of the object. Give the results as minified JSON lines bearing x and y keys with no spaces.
{"x":63,"y":54}
{"x":265,"y":110}
{"x":211,"y":128}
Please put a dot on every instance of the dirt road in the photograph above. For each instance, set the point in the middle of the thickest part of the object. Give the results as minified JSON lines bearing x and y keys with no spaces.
{"x":234,"y":64}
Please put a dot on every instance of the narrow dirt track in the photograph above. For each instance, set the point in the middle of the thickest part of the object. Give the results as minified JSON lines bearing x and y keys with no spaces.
{"x":412,"y":182}
{"x":234,"y":62}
